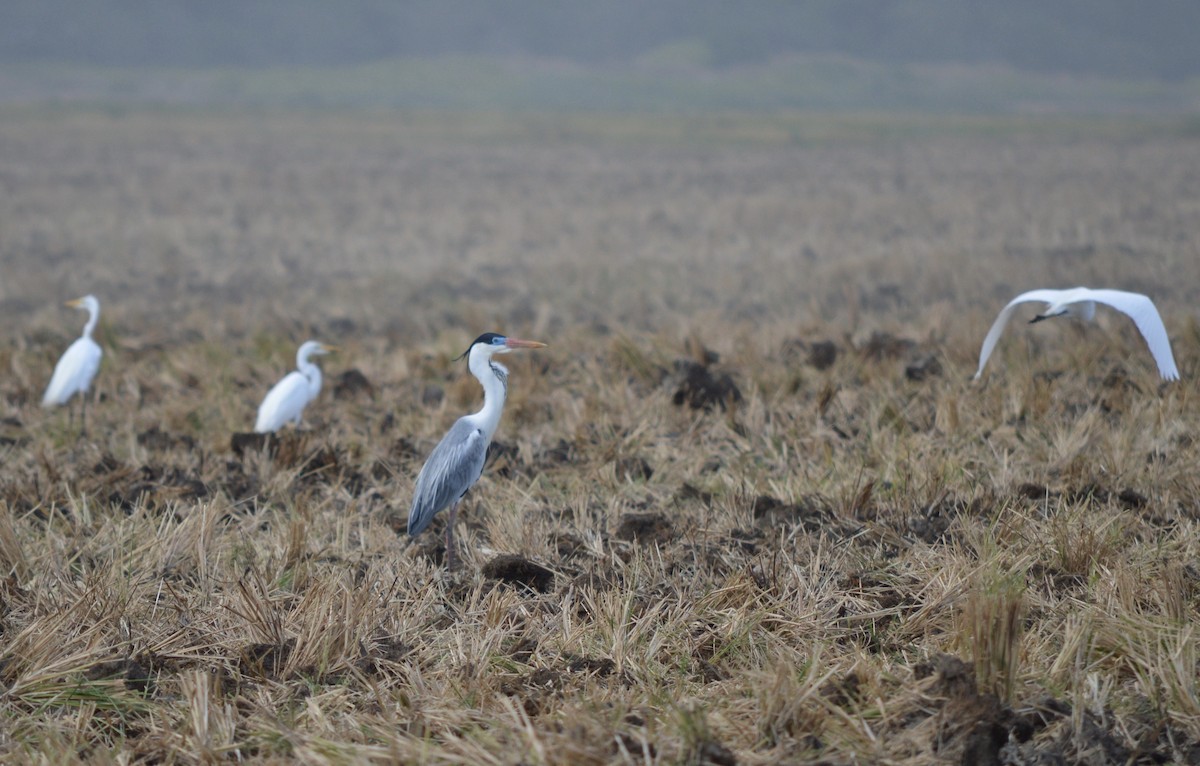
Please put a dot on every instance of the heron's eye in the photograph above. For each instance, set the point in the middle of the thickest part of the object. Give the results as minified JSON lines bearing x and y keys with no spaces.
{"x":498,"y":340}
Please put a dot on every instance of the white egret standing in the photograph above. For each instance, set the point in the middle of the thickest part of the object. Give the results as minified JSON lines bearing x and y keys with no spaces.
{"x":78,"y":365}
{"x":287,"y":399}
{"x":1081,"y":302}
{"x":456,"y":462}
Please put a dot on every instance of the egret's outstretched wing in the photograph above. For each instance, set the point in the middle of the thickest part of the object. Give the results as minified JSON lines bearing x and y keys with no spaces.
{"x":285,"y":401}
{"x":989,"y":342}
{"x":1145,"y":315}
{"x":73,"y":373}
{"x":454,"y":466}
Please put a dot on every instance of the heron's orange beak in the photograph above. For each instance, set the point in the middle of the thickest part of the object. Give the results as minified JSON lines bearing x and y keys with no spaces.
{"x":515,"y":343}
{"x":77,"y":303}
{"x":328,"y":349}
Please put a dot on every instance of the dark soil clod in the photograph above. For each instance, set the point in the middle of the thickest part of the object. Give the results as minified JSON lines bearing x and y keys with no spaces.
{"x":773,"y":513}
{"x":107,"y":464}
{"x":502,"y":458}
{"x":599,"y":666}
{"x":546,"y":679}
{"x":518,"y":570}
{"x":953,"y":677}
{"x":688,"y":492}
{"x":1044,"y":711}
{"x":645,"y":528}
{"x":699,"y":388}
{"x":133,"y":673}
{"x":931,"y":525}
{"x":389,"y":651}
{"x":924,"y":368}
{"x":241,"y":443}
{"x":265,"y":660}
{"x":822,"y":354}
{"x":711,"y":752}
{"x":351,"y":384}
{"x":1031,"y":491}
{"x":1132,"y":500}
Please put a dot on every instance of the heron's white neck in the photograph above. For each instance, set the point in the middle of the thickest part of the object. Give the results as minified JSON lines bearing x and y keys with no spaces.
{"x":93,"y":318}
{"x":309,"y":370}
{"x":313,"y":374}
{"x":493,"y":376}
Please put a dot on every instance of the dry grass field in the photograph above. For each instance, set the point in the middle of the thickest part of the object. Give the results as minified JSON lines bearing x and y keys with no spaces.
{"x":748,"y":507}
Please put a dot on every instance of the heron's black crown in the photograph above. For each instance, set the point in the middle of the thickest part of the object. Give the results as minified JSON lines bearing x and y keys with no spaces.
{"x":488,"y":338}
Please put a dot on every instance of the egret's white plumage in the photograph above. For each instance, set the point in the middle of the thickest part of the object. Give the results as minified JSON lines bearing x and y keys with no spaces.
{"x":457,"y":461}
{"x":287,"y":399}
{"x":78,"y":365}
{"x":1081,"y":302}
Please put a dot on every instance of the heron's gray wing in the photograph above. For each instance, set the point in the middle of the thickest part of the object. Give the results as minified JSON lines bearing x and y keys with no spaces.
{"x":451,"y":469}
{"x":993,"y":336}
{"x":1145,"y":315}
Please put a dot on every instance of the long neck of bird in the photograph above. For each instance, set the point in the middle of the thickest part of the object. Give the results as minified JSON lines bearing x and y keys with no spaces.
{"x":93,"y":318}
{"x":311,"y":371}
{"x":494,"y":378}
{"x":313,"y":374}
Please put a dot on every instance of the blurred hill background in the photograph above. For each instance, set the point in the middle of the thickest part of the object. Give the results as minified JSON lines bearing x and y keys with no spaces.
{"x":961,"y":55}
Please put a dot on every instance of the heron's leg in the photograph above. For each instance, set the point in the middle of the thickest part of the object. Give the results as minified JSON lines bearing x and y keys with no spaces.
{"x":83,"y":414}
{"x":451,"y":554}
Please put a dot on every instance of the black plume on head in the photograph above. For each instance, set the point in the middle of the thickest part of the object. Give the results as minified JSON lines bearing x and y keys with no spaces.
{"x":486,"y":339}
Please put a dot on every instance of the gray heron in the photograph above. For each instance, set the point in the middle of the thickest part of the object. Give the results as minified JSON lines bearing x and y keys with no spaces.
{"x":456,"y":462}
{"x":287,"y":399}
{"x":1081,"y":302}
{"x":78,"y":365}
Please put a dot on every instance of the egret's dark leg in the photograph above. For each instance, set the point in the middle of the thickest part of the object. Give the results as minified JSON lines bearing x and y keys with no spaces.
{"x":83,"y":414}
{"x":451,"y":554}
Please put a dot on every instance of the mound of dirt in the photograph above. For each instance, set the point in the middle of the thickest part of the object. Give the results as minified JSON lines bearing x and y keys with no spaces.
{"x":925,"y":367}
{"x":502,"y":458}
{"x":645,"y":528}
{"x":822,"y":354}
{"x":772,"y":513}
{"x":518,"y":570}
{"x":241,"y":443}
{"x":700,"y":388}
{"x":351,"y":384}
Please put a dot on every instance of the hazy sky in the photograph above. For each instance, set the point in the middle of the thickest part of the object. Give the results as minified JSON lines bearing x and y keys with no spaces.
{"x":1124,"y":38}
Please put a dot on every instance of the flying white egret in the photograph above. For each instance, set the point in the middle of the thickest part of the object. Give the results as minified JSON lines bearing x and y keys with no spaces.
{"x":78,"y":365}
{"x":287,"y":399}
{"x":1081,"y":302}
{"x":456,"y":462}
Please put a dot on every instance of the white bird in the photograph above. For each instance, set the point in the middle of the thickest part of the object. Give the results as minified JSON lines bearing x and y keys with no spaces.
{"x":1081,"y":302}
{"x":456,"y":462}
{"x":78,"y":365}
{"x":287,"y":399}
